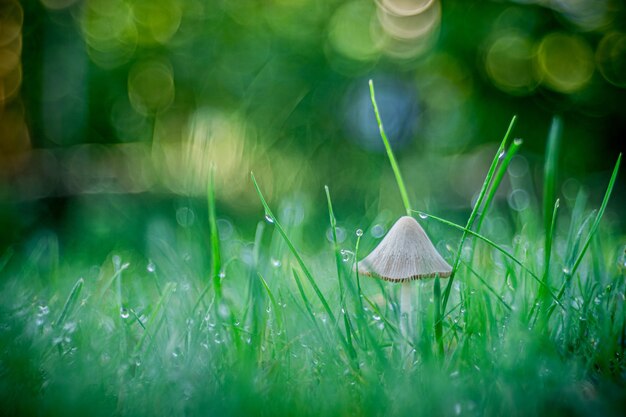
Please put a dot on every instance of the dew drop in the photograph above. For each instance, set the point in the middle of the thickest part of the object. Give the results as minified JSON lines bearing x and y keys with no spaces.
{"x":423,"y":215}
{"x":222,"y":275}
{"x":124,"y":313}
{"x":276,"y":263}
{"x":501,"y":155}
{"x":518,"y":141}
{"x":44,"y":310}
{"x":269,"y":218}
{"x":376,"y":317}
{"x":359,"y":232}
{"x":151,"y":267}
{"x":566,"y":270}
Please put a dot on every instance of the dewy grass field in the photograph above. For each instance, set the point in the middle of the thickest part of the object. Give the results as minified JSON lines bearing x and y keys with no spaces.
{"x":534,"y":325}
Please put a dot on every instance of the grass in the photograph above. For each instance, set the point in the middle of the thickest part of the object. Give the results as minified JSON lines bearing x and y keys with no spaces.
{"x":231,"y":327}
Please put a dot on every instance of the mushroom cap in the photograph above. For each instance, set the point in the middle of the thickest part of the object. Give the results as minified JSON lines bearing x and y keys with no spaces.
{"x":405,"y":254}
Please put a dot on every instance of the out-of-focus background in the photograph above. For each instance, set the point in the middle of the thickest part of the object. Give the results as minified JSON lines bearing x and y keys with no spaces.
{"x":113,"y":111}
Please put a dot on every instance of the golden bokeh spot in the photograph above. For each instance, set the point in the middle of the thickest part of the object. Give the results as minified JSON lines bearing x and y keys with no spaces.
{"x":565,"y":62}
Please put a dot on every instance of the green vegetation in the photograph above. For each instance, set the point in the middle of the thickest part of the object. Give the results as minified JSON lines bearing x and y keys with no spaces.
{"x":172,"y":336}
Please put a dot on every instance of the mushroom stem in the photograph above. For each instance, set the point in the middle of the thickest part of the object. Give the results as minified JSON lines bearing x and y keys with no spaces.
{"x":406,"y":308}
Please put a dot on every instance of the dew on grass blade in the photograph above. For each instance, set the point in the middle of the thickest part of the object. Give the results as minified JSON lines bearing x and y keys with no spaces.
{"x":423,"y":216}
{"x":269,"y":218}
{"x":124,"y":313}
{"x":151,"y":267}
{"x":346,"y":255}
{"x":518,"y":141}
{"x":502,"y":155}
{"x":359,"y":232}
{"x":276,"y":263}
{"x":43,"y":310}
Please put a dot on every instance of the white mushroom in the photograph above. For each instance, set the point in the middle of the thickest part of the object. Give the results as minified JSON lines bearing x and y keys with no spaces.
{"x":405,"y":254}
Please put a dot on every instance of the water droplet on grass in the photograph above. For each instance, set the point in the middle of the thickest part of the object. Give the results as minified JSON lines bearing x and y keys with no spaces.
{"x":269,"y":218}
{"x":276,"y":263}
{"x":423,"y":216}
{"x":518,"y":141}
{"x":124,"y":313}
{"x":151,"y":267}
{"x":44,"y":310}
{"x":501,"y":155}
{"x":566,"y":270}
{"x":359,"y":232}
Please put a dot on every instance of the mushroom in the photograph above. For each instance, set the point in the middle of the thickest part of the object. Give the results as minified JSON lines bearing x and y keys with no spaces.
{"x":405,"y":254}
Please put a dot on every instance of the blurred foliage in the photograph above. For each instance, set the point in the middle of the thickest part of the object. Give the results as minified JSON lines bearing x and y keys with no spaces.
{"x":102,"y":97}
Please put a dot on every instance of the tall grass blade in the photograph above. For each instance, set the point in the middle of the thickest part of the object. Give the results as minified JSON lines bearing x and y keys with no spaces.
{"x":474,"y":213}
{"x":216,"y":261}
{"x":549,"y":174}
{"x":296,"y":254}
{"x":497,"y":179}
{"x":392,"y":159}
{"x":338,"y":261}
{"x":596,"y":223}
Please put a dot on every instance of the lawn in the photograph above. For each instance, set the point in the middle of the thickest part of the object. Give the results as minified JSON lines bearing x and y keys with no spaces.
{"x":206,"y":323}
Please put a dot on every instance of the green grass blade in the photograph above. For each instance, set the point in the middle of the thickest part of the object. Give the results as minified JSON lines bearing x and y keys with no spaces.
{"x":296,"y":254}
{"x":305,"y":299}
{"x":474,"y":213}
{"x":216,"y":263}
{"x":333,"y":228}
{"x":70,"y":302}
{"x":392,"y":159}
{"x":497,"y":179}
{"x":596,"y":223}
{"x":495,"y":246}
{"x":153,"y":330}
{"x":549,"y":173}
{"x":338,"y":261}
{"x":489,"y":287}
{"x":437,"y":316}
{"x":275,"y":305}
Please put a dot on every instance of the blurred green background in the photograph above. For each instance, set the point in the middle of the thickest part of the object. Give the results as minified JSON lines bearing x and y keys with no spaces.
{"x":113,"y":111}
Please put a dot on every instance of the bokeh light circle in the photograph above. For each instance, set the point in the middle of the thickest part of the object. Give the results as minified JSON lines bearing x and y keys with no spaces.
{"x":151,"y":86}
{"x":509,"y":63}
{"x":11,"y":20}
{"x":565,"y":62}
{"x":349,"y":32}
{"x":611,"y":58}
